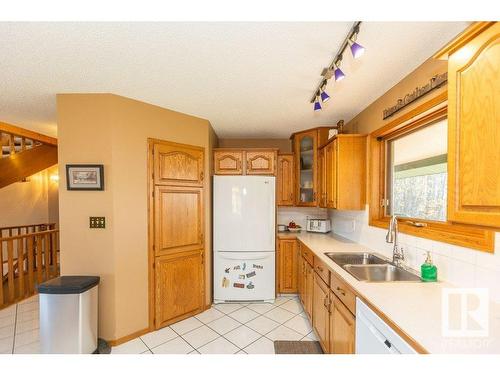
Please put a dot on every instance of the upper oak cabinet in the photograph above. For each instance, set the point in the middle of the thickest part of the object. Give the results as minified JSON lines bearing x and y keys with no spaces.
{"x":251,"y":161}
{"x":176,"y":164}
{"x":474,"y":125}
{"x":228,"y":162}
{"x":261,"y":162}
{"x":285,"y":181}
{"x":305,"y":145}
{"x":345,"y":172}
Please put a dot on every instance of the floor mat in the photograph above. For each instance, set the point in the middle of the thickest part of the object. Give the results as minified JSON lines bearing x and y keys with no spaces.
{"x":297,"y":347}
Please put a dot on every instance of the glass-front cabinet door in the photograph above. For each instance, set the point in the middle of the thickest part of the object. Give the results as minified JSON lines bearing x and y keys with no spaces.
{"x":305,"y":151}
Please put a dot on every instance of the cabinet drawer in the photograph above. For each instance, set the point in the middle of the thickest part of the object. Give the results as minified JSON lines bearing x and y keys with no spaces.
{"x":306,"y":253}
{"x":322,"y":270}
{"x":343,"y":292}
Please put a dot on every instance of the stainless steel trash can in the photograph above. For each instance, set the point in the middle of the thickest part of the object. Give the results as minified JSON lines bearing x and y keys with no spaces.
{"x":68,"y":315}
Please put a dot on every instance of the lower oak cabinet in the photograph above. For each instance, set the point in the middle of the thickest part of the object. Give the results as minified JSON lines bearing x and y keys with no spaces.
{"x":321,"y":312}
{"x":288,"y":266}
{"x":328,"y":303}
{"x":342,"y":327}
{"x":180,"y":285}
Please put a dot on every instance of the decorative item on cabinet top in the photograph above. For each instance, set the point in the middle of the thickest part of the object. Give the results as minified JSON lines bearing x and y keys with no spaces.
{"x":245,"y":161}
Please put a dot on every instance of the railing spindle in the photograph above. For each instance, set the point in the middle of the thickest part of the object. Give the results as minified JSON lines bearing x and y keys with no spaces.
{"x":31,"y":264}
{"x":38,"y":252}
{"x":20,"y":266}
{"x":10,"y":274}
{"x":46,"y":248}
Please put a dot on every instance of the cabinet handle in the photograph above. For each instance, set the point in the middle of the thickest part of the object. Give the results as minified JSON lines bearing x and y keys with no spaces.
{"x":291,"y":196}
{"x":341,"y":291}
{"x":201,"y":176}
{"x":319,"y":268}
{"x":327,"y":303}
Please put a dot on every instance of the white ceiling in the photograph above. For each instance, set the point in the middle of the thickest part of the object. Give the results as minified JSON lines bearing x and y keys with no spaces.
{"x":248,"y":79}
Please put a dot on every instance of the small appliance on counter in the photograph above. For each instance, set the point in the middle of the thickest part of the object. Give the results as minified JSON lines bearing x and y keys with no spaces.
{"x":282,"y":228}
{"x":318,"y":225}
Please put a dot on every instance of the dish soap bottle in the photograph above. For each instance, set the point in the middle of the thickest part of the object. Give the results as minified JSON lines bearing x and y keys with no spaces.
{"x":428,"y":270}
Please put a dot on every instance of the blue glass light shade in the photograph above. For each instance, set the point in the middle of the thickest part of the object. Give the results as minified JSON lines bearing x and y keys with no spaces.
{"x":339,"y":74}
{"x":317,"y":106}
{"x":357,"y":50}
{"x":324,"y":97}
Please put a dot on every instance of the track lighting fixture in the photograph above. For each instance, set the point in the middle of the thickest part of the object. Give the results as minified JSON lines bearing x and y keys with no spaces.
{"x":333,"y":70}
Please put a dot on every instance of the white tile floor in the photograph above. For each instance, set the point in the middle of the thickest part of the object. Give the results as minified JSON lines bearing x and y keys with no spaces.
{"x":19,"y":328}
{"x":223,"y":329}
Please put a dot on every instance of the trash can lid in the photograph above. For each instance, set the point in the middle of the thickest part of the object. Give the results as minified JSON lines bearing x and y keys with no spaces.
{"x":68,"y":285}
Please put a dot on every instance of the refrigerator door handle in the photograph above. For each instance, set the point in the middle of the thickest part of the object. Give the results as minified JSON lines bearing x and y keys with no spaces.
{"x":245,"y":256}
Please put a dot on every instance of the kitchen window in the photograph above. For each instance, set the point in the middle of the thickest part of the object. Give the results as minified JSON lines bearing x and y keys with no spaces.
{"x":417,"y":173}
{"x":408,"y":177}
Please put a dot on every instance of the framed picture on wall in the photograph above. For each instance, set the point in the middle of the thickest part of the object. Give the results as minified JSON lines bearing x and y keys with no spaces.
{"x":85,"y":176}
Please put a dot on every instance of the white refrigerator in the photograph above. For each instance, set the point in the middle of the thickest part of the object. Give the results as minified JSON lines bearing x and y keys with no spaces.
{"x":244,"y":238}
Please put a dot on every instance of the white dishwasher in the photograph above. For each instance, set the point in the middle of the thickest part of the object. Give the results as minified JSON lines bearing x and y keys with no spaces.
{"x":374,"y":336}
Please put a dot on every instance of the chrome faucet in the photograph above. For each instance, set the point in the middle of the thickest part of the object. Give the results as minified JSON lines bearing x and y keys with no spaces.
{"x":398,"y":255}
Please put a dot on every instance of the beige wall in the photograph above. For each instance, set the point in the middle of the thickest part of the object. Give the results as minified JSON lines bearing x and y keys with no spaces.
{"x":112,"y":130}
{"x":31,"y":202}
{"x":370,"y":118}
{"x":284,"y":145}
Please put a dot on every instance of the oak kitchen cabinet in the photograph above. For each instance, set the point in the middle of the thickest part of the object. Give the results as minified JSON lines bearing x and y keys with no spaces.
{"x":321,"y":312}
{"x":473,"y":125}
{"x":322,"y":177}
{"x":177,"y":281}
{"x":329,"y":303}
{"x":261,"y":162}
{"x":305,"y":146}
{"x":288,"y":267}
{"x":285,"y":180}
{"x":306,"y":281}
{"x":342,"y":327}
{"x":250,"y":161}
{"x":228,"y":162}
{"x":345,"y":172}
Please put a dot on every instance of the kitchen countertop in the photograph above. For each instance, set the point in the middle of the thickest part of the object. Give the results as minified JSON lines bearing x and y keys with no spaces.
{"x":415,"y":308}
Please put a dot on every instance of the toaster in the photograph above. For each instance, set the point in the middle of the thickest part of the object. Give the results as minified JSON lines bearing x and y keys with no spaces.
{"x":318,"y":225}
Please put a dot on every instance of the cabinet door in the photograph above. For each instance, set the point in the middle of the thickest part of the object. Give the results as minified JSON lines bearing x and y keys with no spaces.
{"x":322,"y":177}
{"x":321,"y":312}
{"x":178,"y":219}
{"x":308,"y":289}
{"x":179,"y":165}
{"x":474,"y":130}
{"x":260,"y":162}
{"x":285,"y":181}
{"x":301,"y":279}
{"x":179,"y":286}
{"x":228,"y":162}
{"x":331,"y":174}
{"x":342,"y":328}
{"x":288,"y":266}
{"x":305,"y":145}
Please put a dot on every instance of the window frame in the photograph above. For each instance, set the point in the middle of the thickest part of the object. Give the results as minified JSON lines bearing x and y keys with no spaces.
{"x":471,"y":236}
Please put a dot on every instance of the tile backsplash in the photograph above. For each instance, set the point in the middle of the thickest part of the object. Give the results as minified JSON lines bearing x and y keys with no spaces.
{"x":300,"y":214}
{"x":457,"y":265}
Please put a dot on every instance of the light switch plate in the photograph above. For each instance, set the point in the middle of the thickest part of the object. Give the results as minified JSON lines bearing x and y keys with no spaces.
{"x":97,"y":222}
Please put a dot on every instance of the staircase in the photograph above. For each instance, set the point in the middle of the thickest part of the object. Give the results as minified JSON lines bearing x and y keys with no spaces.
{"x":24,"y":153}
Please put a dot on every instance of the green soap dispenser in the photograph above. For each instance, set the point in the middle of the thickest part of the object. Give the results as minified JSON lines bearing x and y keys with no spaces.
{"x":428,"y":270}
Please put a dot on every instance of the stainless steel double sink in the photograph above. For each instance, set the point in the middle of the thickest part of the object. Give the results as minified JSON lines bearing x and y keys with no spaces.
{"x":371,"y":268}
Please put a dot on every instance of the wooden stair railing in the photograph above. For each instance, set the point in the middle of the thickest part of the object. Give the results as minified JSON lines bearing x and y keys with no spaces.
{"x":24,"y":153}
{"x":26,"y":261}
{"x":25,"y":229}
